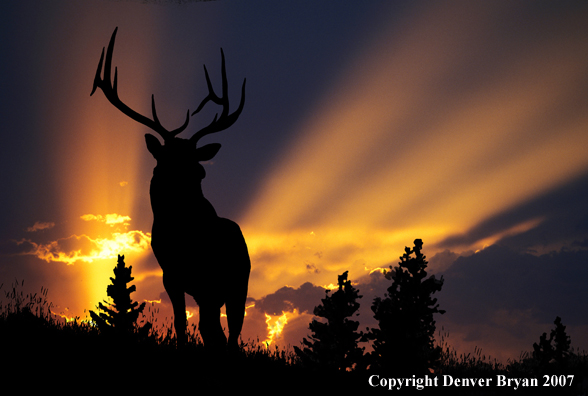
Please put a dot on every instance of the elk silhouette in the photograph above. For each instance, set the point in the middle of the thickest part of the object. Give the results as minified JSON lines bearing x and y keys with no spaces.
{"x":200,"y":253}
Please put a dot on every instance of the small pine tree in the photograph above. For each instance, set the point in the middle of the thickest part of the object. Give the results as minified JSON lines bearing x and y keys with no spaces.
{"x":121,"y":316}
{"x":554,"y":349}
{"x":404,"y":341}
{"x":333,"y":345}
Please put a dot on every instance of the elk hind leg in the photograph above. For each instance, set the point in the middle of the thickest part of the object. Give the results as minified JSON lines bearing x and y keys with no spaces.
{"x":210,"y":328}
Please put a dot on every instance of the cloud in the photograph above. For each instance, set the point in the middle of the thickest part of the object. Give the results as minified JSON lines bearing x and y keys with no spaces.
{"x":288,"y":299}
{"x":443,"y":260}
{"x":86,"y":249}
{"x":499,"y":278}
{"x":111,"y":219}
{"x":311,"y":268}
{"x":557,"y":217}
{"x":502,"y":300}
{"x":41,"y":226}
{"x":293,"y":308}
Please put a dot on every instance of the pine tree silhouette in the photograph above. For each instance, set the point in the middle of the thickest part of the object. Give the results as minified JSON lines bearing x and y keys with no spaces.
{"x":333,"y":345}
{"x":121,"y":316}
{"x":404,"y":341}
{"x":556,"y":349}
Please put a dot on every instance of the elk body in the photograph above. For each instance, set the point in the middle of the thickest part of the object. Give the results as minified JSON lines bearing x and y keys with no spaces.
{"x":200,"y":253}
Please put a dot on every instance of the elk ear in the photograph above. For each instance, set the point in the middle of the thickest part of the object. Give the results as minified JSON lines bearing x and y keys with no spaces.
{"x":153,"y":145}
{"x":206,"y":153}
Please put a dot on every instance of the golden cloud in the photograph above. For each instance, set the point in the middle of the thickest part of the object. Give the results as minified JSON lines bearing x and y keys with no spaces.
{"x":110,"y":219}
{"x":40,"y":226}
{"x":86,"y":249}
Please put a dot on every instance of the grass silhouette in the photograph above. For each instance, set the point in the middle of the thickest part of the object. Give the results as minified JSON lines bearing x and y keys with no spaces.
{"x":37,"y":344}
{"x":42,"y":351}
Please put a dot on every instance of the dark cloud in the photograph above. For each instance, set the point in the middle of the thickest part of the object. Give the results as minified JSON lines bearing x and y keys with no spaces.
{"x":40,"y":225}
{"x":443,"y":260}
{"x":369,"y":287}
{"x":564,"y":214}
{"x":502,"y":300}
{"x":311,"y":268}
{"x":500,"y":279}
{"x":287,"y":299}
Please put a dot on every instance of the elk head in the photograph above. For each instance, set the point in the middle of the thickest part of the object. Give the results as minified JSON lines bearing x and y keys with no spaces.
{"x":175,"y":154}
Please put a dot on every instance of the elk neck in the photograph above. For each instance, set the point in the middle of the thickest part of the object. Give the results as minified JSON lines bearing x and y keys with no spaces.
{"x":178,"y":195}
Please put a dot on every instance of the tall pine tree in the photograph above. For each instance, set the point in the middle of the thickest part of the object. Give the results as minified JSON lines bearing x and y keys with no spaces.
{"x":121,"y":316}
{"x":333,"y":344}
{"x":404,"y":341}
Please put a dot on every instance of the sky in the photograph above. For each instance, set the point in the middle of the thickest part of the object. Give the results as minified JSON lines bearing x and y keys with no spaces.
{"x":367,"y":124}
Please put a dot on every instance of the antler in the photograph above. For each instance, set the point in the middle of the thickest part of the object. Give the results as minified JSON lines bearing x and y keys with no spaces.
{"x":225,"y":120}
{"x":110,"y":91}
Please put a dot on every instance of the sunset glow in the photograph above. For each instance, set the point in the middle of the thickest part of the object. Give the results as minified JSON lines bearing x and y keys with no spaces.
{"x":111,"y":219}
{"x":275,"y":326}
{"x":67,"y":318}
{"x":96,"y":250}
{"x":371,"y":169}
{"x":337,"y":176}
{"x":84,"y":248}
{"x":367,"y":125}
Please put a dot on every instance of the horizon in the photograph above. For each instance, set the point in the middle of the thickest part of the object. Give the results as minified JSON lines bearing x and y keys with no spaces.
{"x":366,"y":125}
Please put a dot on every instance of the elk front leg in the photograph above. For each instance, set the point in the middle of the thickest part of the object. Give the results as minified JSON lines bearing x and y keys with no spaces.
{"x":178,"y":300}
{"x":210,"y":328}
{"x":235,"y":315}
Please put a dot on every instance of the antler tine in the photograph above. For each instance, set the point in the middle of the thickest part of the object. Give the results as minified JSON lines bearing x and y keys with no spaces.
{"x":225,"y":120}
{"x":109,"y":87}
{"x":176,"y":131}
{"x":98,"y":71}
